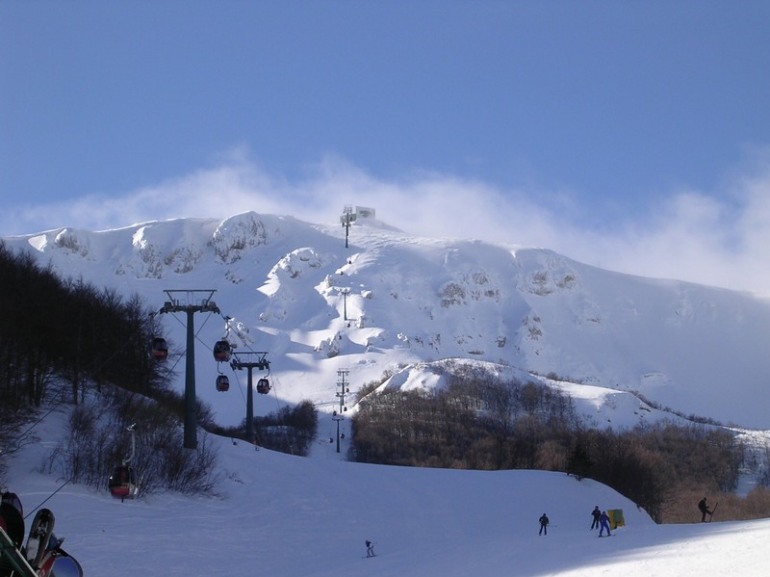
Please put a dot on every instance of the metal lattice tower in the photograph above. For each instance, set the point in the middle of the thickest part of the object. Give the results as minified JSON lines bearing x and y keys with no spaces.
{"x":190,"y":302}
{"x":342,"y":390}
{"x":250,"y":360}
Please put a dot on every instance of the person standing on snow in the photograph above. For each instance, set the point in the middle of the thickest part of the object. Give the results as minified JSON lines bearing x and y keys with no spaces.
{"x":604,"y":521}
{"x":596,"y":514}
{"x":704,"y":509}
{"x":369,"y":549}
{"x":543,"y":525}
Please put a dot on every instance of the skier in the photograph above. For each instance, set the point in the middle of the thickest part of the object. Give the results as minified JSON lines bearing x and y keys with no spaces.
{"x":604,"y":520}
{"x":543,"y":525}
{"x":596,"y":514}
{"x":369,"y":549}
{"x":704,"y":509}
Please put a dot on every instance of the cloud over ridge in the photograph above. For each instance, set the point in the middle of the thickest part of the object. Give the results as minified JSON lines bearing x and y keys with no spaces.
{"x":720,"y":238}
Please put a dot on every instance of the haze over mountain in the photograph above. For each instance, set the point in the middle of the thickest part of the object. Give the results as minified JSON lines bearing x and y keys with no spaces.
{"x":400,"y":305}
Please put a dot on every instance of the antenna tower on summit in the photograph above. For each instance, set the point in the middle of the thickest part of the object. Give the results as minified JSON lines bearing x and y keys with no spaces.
{"x":347,"y":218}
{"x":351,"y":215}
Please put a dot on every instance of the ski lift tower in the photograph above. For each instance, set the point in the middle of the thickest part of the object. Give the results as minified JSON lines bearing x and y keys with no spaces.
{"x":190,"y":302}
{"x":343,"y":390}
{"x":258,"y":361}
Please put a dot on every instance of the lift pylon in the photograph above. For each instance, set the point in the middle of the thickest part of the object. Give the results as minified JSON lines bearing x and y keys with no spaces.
{"x":250,"y":360}
{"x":190,"y":302}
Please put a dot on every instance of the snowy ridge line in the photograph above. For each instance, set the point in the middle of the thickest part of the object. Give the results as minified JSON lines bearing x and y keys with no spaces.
{"x":393,"y":299}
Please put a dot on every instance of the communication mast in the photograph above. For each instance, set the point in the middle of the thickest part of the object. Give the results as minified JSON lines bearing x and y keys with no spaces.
{"x":348,"y":217}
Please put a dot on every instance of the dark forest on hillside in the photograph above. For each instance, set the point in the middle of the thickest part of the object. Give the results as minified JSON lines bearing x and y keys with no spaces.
{"x":65,"y":344}
{"x":478,"y":422}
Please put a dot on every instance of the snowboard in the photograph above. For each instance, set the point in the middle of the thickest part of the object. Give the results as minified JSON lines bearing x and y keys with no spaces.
{"x":39,"y":536}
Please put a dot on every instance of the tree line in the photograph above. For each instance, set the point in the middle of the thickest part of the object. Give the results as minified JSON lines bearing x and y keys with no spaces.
{"x":480,"y":422}
{"x":288,"y":430}
{"x":63,"y":337}
{"x":66,"y":343}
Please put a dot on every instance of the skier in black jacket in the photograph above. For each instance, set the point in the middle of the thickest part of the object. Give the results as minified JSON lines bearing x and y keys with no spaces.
{"x":596,"y":514}
{"x":704,"y":509}
{"x":543,"y":525}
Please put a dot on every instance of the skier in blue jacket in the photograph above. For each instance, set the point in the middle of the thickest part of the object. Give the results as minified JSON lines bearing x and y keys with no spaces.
{"x":604,"y":520}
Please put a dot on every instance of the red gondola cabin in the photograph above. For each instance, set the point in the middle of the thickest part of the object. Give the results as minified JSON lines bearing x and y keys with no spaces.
{"x":223,"y":383}
{"x":159,"y":349}
{"x":263,"y":386}
{"x":121,"y":483}
{"x":222,"y":351}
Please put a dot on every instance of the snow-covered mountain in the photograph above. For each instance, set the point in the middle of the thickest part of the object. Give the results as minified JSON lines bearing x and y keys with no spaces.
{"x":410,"y":308}
{"x":400,"y":305}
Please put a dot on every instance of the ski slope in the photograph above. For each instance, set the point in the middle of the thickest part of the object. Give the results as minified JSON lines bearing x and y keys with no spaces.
{"x":281,"y":516}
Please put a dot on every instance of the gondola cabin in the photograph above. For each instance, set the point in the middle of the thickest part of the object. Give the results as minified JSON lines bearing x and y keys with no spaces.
{"x":263,"y":386}
{"x":121,"y":483}
{"x":223,"y":383}
{"x":222,"y":351}
{"x":159,"y":349}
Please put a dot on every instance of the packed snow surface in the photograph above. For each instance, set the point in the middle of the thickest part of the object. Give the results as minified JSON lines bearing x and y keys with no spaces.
{"x":277,"y":515}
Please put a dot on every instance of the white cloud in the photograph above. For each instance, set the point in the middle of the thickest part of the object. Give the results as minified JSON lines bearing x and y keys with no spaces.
{"x":717,"y":240}
{"x":721,"y":239}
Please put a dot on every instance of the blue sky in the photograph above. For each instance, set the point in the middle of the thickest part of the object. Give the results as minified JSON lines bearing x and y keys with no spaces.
{"x":630,"y":135}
